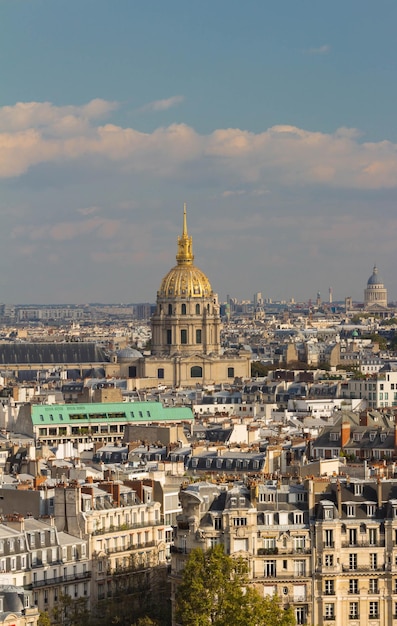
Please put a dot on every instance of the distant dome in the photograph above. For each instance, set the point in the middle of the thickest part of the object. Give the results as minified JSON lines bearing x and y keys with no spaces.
{"x":128,"y":354}
{"x":375,"y":279}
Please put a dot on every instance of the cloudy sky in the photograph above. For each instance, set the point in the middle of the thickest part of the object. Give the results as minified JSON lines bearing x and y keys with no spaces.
{"x":274,"y":121}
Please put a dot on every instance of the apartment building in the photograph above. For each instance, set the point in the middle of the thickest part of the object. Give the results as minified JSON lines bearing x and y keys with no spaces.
{"x":379,"y":390}
{"x":126,"y":534}
{"x":45,"y":563}
{"x":327,"y":547}
{"x":267,"y":523}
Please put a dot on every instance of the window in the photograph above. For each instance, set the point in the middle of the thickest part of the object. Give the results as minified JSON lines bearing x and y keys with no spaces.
{"x":218,"y":523}
{"x":353,"y":610}
{"x":373,"y":560}
{"x":329,"y":539}
{"x":372,"y":536}
{"x":160,"y":372}
{"x":352,"y":561}
{"x":374,"y":609}
{"x":183,"y":309}
{"x":240,"y":521}
{"x":298,"y":518}
{"x":300,"y":615}
{"x":196,"y":371}
{"x":329,"y":587}
{"x":299,"y":543}
{"x":352,"y":536}
{"x":269,"y":568}
{"x":329,"y":611}
{"x":169,"y":337}
{"x":350,"y":510}
{"x":353,"y":585}
{"x":170,"y":309}
{"x":197,"y":309}
{"x":300,"y":568}
{"x":373,"y":585}
{"x":329,"y":560}
{"x":230,"y":372}
{"x":183,"y":336}
{"x":328,"y":513}
{"x":198,"y":335}
{"x":371,"y":510}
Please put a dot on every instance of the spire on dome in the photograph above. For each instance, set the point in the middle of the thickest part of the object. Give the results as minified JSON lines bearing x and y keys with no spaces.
{"x":185,"y":244}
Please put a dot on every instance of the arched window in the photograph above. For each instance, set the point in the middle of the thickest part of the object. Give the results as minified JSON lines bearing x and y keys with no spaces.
{"x":170,"y":309}
{"x":183,"y":311}
{"x":197,"y":309}
{"x":196,"y":371}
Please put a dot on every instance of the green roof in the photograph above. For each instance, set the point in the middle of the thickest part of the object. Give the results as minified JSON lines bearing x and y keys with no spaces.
{"x":108,"y":412}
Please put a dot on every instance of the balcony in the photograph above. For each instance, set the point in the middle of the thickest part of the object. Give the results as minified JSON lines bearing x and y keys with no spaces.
{"x":49,"y":582}
{"x":267,"y":551}
{"x":374,"y":616}
{"x":363,"y":568}
{"x":113,"y":529}
{"x":328,"y":618}
{"x":363,"y":544}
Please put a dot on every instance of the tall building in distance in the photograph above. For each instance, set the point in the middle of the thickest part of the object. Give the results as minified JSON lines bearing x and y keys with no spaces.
{"x":186,"y":327}
{"x":375,"y":294}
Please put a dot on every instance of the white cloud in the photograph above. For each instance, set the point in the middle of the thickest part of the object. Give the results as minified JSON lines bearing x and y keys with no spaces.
{"x":325,"y":49}
{"x":163,"y":105}
{"x":281,"y":155}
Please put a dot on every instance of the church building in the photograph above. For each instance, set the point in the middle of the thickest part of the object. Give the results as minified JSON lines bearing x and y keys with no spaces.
{"x":186,"y":326}
{"x":375,"y":294}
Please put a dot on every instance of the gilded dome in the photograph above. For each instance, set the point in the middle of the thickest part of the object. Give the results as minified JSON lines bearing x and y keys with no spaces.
{"x":185,"y":279}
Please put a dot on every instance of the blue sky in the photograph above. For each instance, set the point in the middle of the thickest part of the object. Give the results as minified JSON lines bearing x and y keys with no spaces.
{"x":274,"y":121}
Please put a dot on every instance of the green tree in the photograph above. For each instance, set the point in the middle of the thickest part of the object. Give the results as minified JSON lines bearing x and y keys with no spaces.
{"x":215,"y":590}
{"x":44,"y":619}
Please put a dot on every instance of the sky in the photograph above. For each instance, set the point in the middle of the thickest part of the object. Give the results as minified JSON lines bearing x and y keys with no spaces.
{"x":275,"y":121}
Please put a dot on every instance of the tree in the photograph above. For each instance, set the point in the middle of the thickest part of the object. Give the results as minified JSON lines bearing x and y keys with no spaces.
{"x":215,"y":590}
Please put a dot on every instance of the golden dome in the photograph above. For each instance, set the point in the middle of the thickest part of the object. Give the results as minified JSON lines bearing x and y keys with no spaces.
{"x":185,"y":279}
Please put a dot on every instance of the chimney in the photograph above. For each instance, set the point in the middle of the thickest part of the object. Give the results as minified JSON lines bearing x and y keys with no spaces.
{"x":339,"y":498}
{"x":379,"y":491}
{"x":344,"y":434}
{"x":395,"y":439}
{"x":116,"y":494}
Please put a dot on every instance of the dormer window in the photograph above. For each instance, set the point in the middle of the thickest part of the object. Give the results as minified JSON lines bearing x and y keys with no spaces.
{"x":371,"y":510}
{"x":333,"y":436}
{"x":350,"y":510}
{"x":372,"y":436}
{"x":358,"y":489}
{"x":356,"y":436}
{"x":328,"y":512}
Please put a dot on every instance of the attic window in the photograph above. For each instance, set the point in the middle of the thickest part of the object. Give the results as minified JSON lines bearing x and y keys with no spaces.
{"x":356,"y":437}
{"x":333,"y":437}
{"x":42,"y":418}
{"x":350,"y":510}
{"x":328,"y":513}
{"x":371,"y":510}
{"x":372,"y":436}
{"x":358,"y":489}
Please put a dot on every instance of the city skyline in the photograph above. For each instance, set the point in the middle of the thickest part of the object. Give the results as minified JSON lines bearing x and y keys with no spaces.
{"x":274,"y":123}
